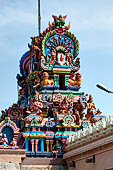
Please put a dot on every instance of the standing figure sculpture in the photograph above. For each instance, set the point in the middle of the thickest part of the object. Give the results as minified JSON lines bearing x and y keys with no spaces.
{"x":56,"y":148}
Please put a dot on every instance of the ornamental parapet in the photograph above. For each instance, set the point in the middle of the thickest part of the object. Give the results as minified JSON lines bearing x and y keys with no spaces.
{"x":90,"y":133}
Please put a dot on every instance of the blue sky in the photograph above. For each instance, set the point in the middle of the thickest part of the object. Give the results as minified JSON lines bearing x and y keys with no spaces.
{"x":92,"y":24}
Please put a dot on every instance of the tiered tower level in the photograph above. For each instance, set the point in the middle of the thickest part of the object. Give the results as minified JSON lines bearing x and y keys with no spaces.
{"x":50,"y":107}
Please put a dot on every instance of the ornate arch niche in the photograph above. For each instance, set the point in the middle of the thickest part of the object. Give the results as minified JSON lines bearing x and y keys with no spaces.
{"x":7,"y":123}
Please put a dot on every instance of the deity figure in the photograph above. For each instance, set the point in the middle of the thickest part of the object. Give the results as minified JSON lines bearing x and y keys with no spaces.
{"x":36,"y":83}
{"x":91,"y":109}
{"x":36,"y":46}
{"x":34,"y":53}
{"x":59,"y":24}
{"x":52,"y":57}
{"x":4,"y":140}
{"x":56,"y":148}
{"x":46,"y":81}
{"x":64,"y":106}
{"x":14,"y":143}
{"x":56,"y":115}
{"x":77,"y":63}
{"x":60,"y":58}
{"x":71,"y":80}
{"x":79,"y":107}
{"x":74,"y":79}
{"x":78,"y":79}
{"x":36,"y":106}
{"x":92,"y":115}
{"x":69,"y":57}
{"x":90,"y":105}
{"x":76,"y":113}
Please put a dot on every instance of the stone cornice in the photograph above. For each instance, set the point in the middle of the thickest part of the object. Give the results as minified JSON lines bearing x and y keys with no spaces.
{"x":90,"y":138}
{"x":89,"y":147}
{"x":12,"y":151}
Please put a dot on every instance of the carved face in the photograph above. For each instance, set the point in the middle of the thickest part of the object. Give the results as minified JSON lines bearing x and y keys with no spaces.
{"x":45,"y":75}
{"x":78,"y":76}
{"x":59,"y":23}
{"x":61,"y":58}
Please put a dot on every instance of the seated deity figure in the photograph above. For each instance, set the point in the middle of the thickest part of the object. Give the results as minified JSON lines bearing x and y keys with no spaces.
{"x":74,"y":79}
{"x":71,"y":79}
{"x":78,"y":79}
{"x":4,"y":140}
{"x":46,"y":81}
{"x":14,"y":144}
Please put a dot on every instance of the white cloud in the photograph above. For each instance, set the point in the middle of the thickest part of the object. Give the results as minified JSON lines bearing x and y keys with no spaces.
{"x":12,"y":15}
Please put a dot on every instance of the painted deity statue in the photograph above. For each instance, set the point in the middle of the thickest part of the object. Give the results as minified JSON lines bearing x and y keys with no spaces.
{"x":14,"y":144}
{"x":64,"y":106}
{"x":59,"y":24}
{"x":52,"y":57}
{"x":69,"y":57}
{"x":56,"y":148}
{"x":46,"y":81}
{"x":92,"y":113}
{"x":36,"y":106}
{"x":77,"y":63}
{"x":74,"y":79}
{"x":90,"y":108}
{"x":4,"y":140}
{"x":78,"y":79}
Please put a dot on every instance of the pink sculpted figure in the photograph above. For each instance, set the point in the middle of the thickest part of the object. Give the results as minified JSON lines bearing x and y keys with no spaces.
{"x":13,"y":143}
{"x":52,"y":58}
{"x":69,"y":58}
{"x":4,"y":140}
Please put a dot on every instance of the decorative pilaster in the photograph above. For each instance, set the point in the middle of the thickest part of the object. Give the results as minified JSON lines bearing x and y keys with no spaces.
{"x":56,"y":79}
{"x":42,"y":145}
{"x":36,"y":145}
{"x":27,"y":145}
{"x":66,"y":80}
{"x":32,"y":142}
{"x":51,"y":145}
{"x":16,"y":135}
{"x":47,"y":142}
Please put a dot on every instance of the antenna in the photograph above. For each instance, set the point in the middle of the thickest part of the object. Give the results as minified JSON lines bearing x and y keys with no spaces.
{"x":39,"y":18}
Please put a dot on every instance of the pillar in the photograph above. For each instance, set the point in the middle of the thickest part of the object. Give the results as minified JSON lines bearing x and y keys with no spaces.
{"x":47,"y":142}
{"x":66,"y":80}
{"x":36,"y":146}
{"x":27,"y":145}
{"x":51,"y":145}
{"x":16,"y":135}
{"x":42,"y":145}
{"x":56,"y":79}
{"x":32,"y":142}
